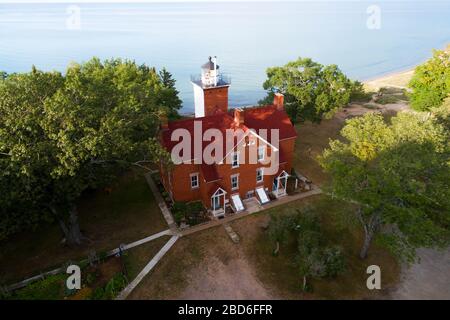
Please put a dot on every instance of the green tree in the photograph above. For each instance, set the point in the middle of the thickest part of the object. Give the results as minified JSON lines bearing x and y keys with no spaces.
{"x":315,"y":258}
{"x":399,"y":175}
{"x":311,"y":90}
{"x":279,"y":228}
{"x":168,"y":97}
{"x":63,"y":134}
{"x":442,"y":114}
{"x":430,"y":84}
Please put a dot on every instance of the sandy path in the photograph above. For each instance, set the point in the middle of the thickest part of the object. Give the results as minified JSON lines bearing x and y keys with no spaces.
{"x":429,"y":279}
{"x":234,"y":279}
{"x":226,"y":272}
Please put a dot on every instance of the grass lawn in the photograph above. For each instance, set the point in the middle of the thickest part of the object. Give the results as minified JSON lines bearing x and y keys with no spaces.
{"x":128,"y":213}
{"x":281,"y":273}
{"x":171,"y":275}
{"x":312,"y":140}
{"x":138,"y":257}
{"x":208,"y":265}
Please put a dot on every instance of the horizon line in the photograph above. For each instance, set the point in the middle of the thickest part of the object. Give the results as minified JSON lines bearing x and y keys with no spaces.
{"x":75,"y":2}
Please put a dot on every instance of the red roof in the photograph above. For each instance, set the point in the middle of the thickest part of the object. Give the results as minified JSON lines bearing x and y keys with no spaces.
{"x":269,"y":117}
{"x":257,"y":118}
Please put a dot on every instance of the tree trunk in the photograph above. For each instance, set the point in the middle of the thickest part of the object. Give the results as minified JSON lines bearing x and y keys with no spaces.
{"x":368,"y":235}
{"x":304,"y":283}
{"x":74,"y":236}
{"x":71,"y":229}
{"x":369,"y":230}
{"x":277,"y":249}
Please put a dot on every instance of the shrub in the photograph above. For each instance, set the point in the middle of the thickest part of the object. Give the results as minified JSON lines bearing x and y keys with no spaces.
{"x":193,"y":212}
{"x":359,"y":94}
{"x":179,"y":211}
{"x":387,"y":99}
{"x":431,"y":82}
{"x":50,"y":288}
{"x":334,"y":261}
{"x":111,"y":289}
{"x":278,"y":230}
{"x":315,"y":258}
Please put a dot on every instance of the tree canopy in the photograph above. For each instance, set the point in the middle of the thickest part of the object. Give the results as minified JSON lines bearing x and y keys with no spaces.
{"x":311,"y":90}
{"x":398,"y":173}
{"x":61,"y":134}
{"x":430,"y":84}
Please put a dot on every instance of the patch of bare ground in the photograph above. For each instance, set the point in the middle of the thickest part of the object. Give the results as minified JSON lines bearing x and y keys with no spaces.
{"x":427,"y":279}
{"x":205,"y":265}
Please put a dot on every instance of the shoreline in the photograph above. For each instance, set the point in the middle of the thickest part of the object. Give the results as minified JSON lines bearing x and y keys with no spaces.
{"x":397,"y":79}
{"x":391,"y":73}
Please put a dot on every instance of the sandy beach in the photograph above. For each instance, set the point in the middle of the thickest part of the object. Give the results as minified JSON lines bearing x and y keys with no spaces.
{"x":397,"y":79}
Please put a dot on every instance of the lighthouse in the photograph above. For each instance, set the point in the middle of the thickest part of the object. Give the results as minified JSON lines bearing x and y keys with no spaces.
{"x":210,"y":90}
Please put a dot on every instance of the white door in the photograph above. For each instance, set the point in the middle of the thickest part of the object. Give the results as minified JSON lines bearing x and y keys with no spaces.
{"x":215,"y":202}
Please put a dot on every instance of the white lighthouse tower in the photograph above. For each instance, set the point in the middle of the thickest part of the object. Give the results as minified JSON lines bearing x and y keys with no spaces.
{"x":210,"y":90}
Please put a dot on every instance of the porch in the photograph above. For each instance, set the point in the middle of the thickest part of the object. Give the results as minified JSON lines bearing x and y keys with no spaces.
{"x":279,"y":187}
{"x":252,"y":206}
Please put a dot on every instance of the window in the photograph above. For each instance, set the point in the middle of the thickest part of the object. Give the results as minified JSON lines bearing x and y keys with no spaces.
{"x":261,"y":153}
{"x":235,"y":160}
{"x":194,"y":180}
{"x":259,"y":175}
{"x":235,"y":182}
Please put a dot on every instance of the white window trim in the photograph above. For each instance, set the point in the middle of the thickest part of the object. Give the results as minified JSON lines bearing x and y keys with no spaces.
{"x":263,"y":154}
{"x":262,"y":175}
{"x":198,"y":180}
{"x":232,"y":160}
{"x":237,"y":181}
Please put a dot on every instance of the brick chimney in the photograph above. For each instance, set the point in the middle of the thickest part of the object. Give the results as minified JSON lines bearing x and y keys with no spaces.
{"x":278,"y":100}
{"x":238,"y":116}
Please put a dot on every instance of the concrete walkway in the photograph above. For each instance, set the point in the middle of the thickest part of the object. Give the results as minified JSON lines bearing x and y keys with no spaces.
{"x":125,"y":292}
{"x":167,"y":232}
{"x":284,"y":200}
{"x":161,"y":203}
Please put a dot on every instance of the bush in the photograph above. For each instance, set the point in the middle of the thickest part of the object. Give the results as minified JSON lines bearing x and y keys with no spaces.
{"x":279,"y":229}
{"x":194,"y":210}
{"x":431,"y":82}
{"x":50,"y":288}
{"x":179,"y":210}
{"x":387,"y":99}
{"x":334,"y":261}
{"x":359,"y":94}
{"x":391,"y":90}
{"x":111,"y":289}
{"x":315,"y":258}
{"x":190,"y":211}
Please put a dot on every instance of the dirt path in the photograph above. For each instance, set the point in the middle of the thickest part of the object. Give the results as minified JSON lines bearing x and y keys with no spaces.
{"x":429,"y":279}
{"x":233,"y":279}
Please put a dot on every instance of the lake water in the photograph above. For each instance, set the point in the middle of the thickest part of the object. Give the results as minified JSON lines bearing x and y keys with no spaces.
{"x":246,"y":37}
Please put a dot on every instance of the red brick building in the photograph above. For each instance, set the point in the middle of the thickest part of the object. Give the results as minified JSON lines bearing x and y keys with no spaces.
{"x":233,"y":176}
